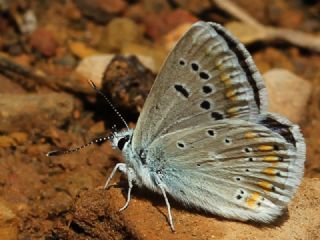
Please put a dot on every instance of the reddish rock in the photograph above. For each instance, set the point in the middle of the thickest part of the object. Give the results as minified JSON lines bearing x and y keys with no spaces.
{"x":158,"y":25}
{"x":44,"y":42}
{"x":101,"y":10}
{"x":128,"y":82}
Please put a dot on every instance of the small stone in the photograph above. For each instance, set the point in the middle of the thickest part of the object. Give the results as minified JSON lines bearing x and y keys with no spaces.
{"x":44,"y":42}
{"x":114,"y":40}
{"x":128,"y":82}
{"x":246,"y":33}
{"x":288,"y":94}
{"x":6,"y":141}
{"x":157,"y":25}
{"x":19,"y":137}
{"x":28,"y":112}
{"x":101,"y":11}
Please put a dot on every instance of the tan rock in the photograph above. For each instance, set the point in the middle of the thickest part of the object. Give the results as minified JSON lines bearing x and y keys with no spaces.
{"x":118,"y":33}
{"x":288,"y":93}
{"x":96,"y":212}
{"x":26,"y":112}
{"x":246,"y":33}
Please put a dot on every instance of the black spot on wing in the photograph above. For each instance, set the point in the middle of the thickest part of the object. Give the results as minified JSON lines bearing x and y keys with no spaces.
{"x":195,"y":67}
{"x":216,"y":115}
{"x":182,"y":90}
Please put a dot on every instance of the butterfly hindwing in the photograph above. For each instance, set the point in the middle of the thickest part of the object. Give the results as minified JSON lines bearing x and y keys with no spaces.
{"x":233,"y":168}
{"x":208,"y":76}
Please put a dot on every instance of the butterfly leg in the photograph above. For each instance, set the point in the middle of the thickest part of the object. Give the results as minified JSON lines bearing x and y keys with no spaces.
{"x":131,"y":177}
{"x":121,"y":166}
{"x":162,"y":188}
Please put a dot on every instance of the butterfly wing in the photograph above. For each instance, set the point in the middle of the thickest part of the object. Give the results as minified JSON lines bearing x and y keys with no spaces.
{"x":234,"y":168}
{"x":208,"y":76}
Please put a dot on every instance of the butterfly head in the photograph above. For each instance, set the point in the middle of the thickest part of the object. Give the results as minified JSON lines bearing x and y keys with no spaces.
{"x":121,"y":139}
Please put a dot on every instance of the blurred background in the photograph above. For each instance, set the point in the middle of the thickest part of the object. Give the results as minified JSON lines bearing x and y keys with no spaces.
{"x":48,"y":50}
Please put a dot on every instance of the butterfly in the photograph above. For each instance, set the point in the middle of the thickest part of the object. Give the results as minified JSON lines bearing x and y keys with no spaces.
{"x":205,"y":138}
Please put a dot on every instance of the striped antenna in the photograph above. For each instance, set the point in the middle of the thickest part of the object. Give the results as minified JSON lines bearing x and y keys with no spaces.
{"x":109,"y":102}
{"x":72,"y":150}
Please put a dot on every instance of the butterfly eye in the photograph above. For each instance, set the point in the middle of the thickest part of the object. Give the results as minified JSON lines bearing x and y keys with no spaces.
{"x":122,"y":142}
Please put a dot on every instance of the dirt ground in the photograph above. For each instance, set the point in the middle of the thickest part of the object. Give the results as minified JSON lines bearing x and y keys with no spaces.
{"x":46,"y":104}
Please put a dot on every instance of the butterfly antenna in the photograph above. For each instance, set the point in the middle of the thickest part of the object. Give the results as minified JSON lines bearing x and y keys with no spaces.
{"x":72,"y":150}
{"x":109,"y":102}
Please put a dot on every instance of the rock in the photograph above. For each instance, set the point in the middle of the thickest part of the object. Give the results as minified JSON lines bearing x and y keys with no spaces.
{"x":128,"y":82}
{"x":8,"y":222}
{"x":288,"y":93}
{"x":44,"y":42}
{"x":246,"y":33}
{"x":101,"y":11}
{"x":194,"y":6}
{"x":6,"y":141}
{"x":114,"y":40}
{"x":28,"y":22}
{"x":34,"y":111}
{"x":157,"y":25}
{"x":19,"y":137}
{"x":93,"y":67}
{"x":96,"y":215}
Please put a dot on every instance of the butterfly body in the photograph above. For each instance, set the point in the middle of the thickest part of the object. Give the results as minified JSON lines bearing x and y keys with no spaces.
{"x":205,"y":137}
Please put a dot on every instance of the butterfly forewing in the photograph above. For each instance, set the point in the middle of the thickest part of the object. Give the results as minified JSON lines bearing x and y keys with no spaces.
{"x":234,"y":168}
{"x":208,"y":76}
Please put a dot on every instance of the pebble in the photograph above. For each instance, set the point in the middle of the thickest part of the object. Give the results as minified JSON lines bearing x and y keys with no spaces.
{"x":157,"y":25}
{"x":44,"y":42}
{"x":288,"y":93}
{"x":128,"y":82}
{"x":101,"y":11}
{"x":118,"y":33}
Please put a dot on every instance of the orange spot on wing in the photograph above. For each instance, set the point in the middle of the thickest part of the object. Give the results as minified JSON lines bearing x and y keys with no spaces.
{"x":269,"y":171}
{"x":230,"y":93}
{"x":252,"y":199}
{"x":250,"y":135}
{"x":265,"y":185}
{"x":271,"y":159}
{"x":225,"y":78}
{"x":265,"y":148}
{"x":232,"y":110}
